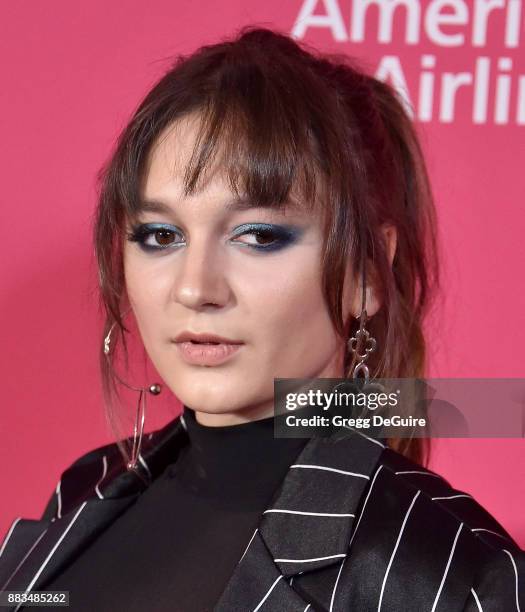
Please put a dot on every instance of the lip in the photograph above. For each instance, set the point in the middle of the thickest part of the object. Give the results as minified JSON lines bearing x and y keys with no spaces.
{"x":206,"y":354}
{"x":187,"y":336}
{"x":193,"y":350}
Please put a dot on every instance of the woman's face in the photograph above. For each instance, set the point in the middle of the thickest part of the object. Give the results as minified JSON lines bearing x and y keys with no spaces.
{"x":207,"y":272}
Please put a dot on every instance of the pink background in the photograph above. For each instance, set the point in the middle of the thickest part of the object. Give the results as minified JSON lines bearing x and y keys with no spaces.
{"x":71,"y":74}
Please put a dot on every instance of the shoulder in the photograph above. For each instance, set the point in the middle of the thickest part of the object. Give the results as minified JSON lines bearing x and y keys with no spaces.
{"x":101,"y":471}
{"x":396,"y":472}
{"x":90,"y":471}
{"x":419,"y":521}
{"x":81,"y":473}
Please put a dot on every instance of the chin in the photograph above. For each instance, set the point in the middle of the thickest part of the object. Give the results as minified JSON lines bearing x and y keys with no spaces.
{"x":212,"y":398}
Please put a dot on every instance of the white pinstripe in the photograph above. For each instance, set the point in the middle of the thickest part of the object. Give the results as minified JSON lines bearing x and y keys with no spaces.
{"x":6,"y":539}
{"x":395,"y":549}
{"x":516,"y":575}
{"x":104,"y":472}
{"x":419,"y":472}
{"x":307,"y":607}
{"x":268,"y":593}
{"x":35,"y":577}
{"x":452,"y":496}
{"x":353,"y":536}
{"x":364,"y":505}
{"x":476,"y":599}
{"x":309,"y":560}
{"x":335,"y":586}
{"x":248,"y":546}
{"x":365,"y":436}
{"x":309,"y":513}
{"x":447,"y":567}
{"x":23,"y":559}
{"x":329,"y":469}
{"x":490,"y":531}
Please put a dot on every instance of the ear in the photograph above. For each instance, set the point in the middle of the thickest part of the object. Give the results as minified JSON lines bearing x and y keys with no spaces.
{"x":389,"y":232}
{"x":373,"y":301}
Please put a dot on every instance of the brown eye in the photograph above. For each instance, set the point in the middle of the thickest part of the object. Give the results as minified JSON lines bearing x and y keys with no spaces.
{"x":151,"y":238}
{"x":164,"y":237}
{"x":259,"y":237}
{"x":264,"y":237}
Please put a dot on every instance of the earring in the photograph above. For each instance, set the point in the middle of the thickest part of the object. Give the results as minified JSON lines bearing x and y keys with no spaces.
{"x":353,"y":383}
{"x":362,"y":336}
{"x":138,"y":428}
{"x":355,"y":344}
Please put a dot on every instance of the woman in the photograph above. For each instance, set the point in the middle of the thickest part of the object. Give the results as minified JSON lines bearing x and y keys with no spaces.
{"x":235,"y":219}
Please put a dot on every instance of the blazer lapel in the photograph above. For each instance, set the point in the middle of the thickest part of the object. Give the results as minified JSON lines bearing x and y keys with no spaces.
{"x":56,"y":542}
{"x":256,"y":583}
{"x":308,"y":525}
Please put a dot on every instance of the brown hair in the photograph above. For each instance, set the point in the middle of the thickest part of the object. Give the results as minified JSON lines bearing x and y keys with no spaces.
{"x":286,"y":116}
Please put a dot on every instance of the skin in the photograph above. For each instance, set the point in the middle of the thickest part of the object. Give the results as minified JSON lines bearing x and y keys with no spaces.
{"x":215,"y":281}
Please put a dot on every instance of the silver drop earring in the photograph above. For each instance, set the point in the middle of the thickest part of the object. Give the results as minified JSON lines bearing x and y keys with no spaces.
{"x":138,"y":428}
{"x":362,"y":339}
{"x":355,"y":344}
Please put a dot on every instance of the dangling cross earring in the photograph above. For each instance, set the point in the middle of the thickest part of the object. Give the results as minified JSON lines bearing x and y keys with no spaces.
{"x":355,"y":344}
{"x":138,"y":428}
{"x":362,"y":337}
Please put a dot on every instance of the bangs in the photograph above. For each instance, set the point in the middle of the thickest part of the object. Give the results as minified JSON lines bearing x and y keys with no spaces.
{"x":251,"y":127}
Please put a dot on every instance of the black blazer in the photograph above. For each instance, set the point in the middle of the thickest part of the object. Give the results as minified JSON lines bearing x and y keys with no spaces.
{"x":353,"y":526}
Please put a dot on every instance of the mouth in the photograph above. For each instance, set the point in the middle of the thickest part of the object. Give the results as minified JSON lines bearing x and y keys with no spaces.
{"x":204,"y":338}
{"x":208,"y":352}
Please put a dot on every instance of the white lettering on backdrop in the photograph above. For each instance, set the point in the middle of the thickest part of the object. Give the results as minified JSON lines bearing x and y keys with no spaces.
{"x":496,"y":93}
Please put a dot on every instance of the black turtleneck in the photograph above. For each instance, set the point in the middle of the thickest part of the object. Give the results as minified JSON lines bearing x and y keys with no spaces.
{"x":176,"y":547}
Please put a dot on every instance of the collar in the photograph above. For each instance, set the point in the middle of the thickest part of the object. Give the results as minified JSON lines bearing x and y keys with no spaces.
{"x":240,"y":464}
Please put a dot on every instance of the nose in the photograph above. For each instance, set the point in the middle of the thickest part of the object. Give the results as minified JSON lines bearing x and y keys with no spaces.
{"x":200,"y":280}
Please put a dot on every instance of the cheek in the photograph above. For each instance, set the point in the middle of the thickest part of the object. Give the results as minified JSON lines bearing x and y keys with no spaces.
{"x":146,"y":291}
{"x":148,"y":273}
{"x":288,"y":304}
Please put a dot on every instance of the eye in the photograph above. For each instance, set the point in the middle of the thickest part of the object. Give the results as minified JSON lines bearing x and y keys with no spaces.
{"x":261,"y":237}
{"x":266,"y":237}
{"x":154,"y":236}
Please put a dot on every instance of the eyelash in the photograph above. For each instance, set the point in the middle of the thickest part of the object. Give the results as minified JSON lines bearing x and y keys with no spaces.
{"x":284,"y":235}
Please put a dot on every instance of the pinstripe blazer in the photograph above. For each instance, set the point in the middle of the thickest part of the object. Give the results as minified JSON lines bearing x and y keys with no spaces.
{"x":354,"y":526}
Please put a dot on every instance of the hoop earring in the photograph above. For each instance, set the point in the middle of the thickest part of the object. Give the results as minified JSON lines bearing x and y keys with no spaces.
{"x":138,"y":427}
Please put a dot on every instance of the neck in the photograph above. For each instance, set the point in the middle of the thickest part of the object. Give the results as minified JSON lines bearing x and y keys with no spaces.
{"x":237,"y":417}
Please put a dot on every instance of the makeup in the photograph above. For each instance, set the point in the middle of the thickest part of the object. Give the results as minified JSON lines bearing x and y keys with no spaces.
{"x":266,"y":237}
